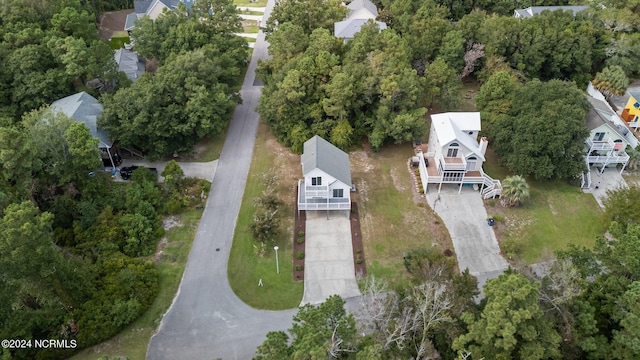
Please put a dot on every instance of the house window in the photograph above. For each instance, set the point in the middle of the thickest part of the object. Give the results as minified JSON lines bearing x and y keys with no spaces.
{"x":599,"y":136}
{"x":316,"y":181}
{"x":472,"y":162}
{"x":453,"y":150}
{"x":338,"y":193}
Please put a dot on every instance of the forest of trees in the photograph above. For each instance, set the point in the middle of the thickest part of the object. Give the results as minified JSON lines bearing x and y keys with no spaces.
{"x":379,"y":85}
{"x":76,"y":248}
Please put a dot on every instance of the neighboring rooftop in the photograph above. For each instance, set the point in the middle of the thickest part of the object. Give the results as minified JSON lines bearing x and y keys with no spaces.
{"x":535,"y":10}
{"x":321,"y":154}
{"x":599,"y":114}
{"x":129,"y":63}
{"x":454,"y":126}
{"x":145,"y":7}
{"x":86,"y":109}
{"x":362,"y":9}
{"x":347,"y":29}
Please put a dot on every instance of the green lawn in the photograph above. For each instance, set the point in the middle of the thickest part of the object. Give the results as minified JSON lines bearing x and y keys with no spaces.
{"x":250,"y":39}
{"x":246,"y":268}
{"x":118,"y":42}
{"x":250,"y":12}
{"x":132,"y":342}
{"x":250,"y":29}
{"x":249,"y":3}
{"x":557,"y":214}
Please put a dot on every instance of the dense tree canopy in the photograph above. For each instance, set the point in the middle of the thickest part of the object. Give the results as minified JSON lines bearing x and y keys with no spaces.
{"x":170,"y":111}
{"x":543,"y":132}
{"x":193,"y":92}
{"x":49,"y":50}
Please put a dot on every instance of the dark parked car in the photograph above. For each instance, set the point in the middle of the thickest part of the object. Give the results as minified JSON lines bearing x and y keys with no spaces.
{"x":126,"y":172}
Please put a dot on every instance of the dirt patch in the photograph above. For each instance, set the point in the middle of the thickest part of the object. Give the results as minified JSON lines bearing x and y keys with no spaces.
{"x":112,"y":21}
{"x":170,"y":222}
{"x":159,"y":249}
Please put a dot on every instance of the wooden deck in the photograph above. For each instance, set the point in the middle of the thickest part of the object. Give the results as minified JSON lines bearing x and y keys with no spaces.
{"x":434,"y":176}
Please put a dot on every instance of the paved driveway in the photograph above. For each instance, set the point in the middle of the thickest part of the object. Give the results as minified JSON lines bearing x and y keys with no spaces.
{"x":206,"y":319}
{"x":328,"y":259}
{"x":474,"y":241}
{"x":200,"y":170}
{"x":610,"y":179}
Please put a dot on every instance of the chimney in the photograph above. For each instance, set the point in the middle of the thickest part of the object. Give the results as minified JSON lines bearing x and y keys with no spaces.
{"x":483,"y":143}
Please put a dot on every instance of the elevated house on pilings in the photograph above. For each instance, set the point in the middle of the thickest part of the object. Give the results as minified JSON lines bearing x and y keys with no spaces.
{"x":455,"y":154}
{"x":606,"y":144}
{"x":327,"y":177}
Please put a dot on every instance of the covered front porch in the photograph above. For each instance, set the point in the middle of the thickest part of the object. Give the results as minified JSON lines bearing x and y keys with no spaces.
{"x":310,"y":200}
{"x":431,"y":173}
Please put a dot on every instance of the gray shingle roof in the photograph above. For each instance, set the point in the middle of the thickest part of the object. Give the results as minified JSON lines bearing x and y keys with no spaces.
{"x":129,"y":63}
{"x":321,"y":154}
{"x":599,"y":114}
{"x":86,"y":109}
{"x":349,"y":28}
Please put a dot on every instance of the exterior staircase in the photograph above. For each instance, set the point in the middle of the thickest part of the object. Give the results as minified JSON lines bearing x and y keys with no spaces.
{"x":491,"y":187}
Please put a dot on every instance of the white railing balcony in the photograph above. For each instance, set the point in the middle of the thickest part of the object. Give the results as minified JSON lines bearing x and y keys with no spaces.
{"x":600,"y":145}
{"x":620,"y":157}
{"x":452,"y":163}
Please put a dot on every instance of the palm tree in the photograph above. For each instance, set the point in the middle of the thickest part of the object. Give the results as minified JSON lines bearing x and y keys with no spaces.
{"x":515,"y":191}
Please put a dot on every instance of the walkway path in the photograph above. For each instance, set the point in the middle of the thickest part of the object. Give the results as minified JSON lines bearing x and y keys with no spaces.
{"x":328,"y":259}
{"x":206,"y":319}
{"x":474,"y":241}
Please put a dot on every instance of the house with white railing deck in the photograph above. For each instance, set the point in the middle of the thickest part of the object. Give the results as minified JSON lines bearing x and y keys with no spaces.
{"x":327,"y":177}
{"x":455,"y":154}
{"x":606,"y":144}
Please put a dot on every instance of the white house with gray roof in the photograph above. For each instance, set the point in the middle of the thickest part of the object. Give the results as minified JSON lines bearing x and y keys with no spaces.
{"x":455,"y":154}
{"x":327,"y":177}
{"x":360,"y":13}
{"x":536,"y":10}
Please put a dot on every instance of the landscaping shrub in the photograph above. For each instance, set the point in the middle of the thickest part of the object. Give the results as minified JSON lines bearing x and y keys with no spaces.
{"x":300,"y":255}
{"x":299,"y":267}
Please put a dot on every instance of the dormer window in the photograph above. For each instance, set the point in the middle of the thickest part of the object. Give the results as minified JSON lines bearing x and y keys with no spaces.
{"x":453,"y":150}
{"x":598,"y":136}
{"x":316,"y":181}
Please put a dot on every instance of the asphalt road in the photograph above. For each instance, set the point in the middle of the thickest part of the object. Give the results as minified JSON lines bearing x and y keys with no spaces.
{"x":207,"y":320}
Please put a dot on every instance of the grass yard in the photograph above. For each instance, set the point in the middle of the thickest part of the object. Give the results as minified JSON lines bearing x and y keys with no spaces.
{"x":250,"y":3}
{"x":251,"y":29}
{"x":393,"y":217}
{"x":208,"y":149}
{"x":132,"y":342}
{"x":250,"y":12}
{"x":251,"y":40}
{"x":245,"y":267}
{"x":118,"y":42}
{"x":558,"y":214}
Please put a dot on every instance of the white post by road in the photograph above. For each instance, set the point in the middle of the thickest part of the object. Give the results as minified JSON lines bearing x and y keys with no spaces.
{"x":277,"y":264}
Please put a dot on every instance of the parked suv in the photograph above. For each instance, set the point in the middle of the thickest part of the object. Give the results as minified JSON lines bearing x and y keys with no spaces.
{"x":127,"y":171}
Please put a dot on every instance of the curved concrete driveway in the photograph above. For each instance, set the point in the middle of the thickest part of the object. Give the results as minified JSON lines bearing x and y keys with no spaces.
{"x":207,"y":320}
{"x":475,"y":242}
